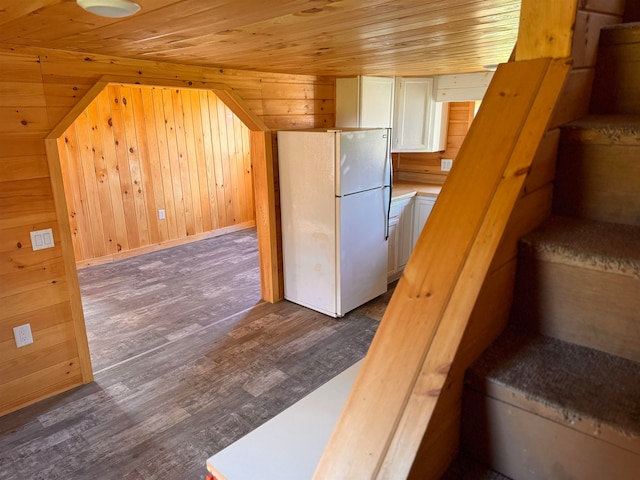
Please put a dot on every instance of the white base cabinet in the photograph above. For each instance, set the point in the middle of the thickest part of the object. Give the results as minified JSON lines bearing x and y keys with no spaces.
{"x":400,"y":237}
{"x":422,"y":209}
{"x":406,"y":221}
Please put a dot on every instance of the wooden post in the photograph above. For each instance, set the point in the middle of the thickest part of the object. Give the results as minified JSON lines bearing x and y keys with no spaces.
{"x":271,"y":279}
{"x":546,"y":29}
{"x":77,"y":314}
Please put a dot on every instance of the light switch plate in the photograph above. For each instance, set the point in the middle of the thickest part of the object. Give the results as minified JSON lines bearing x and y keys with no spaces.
{"x":41,"y":239}
{"x":446,"y":164}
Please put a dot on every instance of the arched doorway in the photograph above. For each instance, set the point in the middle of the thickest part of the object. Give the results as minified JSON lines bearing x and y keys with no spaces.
{"x":263,"y":192}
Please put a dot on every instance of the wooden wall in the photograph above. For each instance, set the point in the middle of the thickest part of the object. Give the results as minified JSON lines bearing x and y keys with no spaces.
{"x":37,"y":89}
{"x":135,"y":150}
{"x":425,"y":167}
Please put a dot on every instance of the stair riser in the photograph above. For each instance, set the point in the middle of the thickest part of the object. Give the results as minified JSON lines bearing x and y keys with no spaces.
{"x":599,"y":182}
{"x":593,"y":308}
{"x":615,"y":86}
{"x":520,"y":444}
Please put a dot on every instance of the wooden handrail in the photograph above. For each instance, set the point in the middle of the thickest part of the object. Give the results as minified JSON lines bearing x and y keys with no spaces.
{"x":395,"y":394}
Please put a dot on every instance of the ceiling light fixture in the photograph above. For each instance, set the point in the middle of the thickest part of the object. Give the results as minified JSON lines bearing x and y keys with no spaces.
{"x":110,"y":8}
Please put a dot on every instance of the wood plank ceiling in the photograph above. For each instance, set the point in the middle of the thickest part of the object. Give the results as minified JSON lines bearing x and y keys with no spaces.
{"x":324,"y":37}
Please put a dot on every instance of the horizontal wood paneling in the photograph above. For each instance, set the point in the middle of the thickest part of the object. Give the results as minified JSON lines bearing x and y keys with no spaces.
{"x":426,"y":166}
{"x":136,"y":150}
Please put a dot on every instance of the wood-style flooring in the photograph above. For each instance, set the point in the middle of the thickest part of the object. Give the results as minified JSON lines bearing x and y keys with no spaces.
{"x":187,"y":360}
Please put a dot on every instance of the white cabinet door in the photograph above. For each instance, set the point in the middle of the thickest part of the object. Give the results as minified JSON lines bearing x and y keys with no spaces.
{"x":364,"y":102}
{"x":422,"y":210}
{"x":392,"y":259}
{"x":419,"y":121}
{"x":400,"y":237}
{"x":376,"y":104}
{"x":405,"y":237}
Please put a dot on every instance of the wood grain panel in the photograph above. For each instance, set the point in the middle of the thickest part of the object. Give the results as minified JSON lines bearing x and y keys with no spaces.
{"x":135,"y":150}
{"x":39,"y":319}
{"x":21,"y":93}
{"x":336,"y":38}
{"x":21,"y":145}
{"x":55,"y":378}
{"x":17,"y":239}
{"x":27,"y":301}
{"x":19,"y":68}
{"x":25,"y":199}
{"x":49,"y":273}
{"x":24,"y":120}
{"x":23,"y":167}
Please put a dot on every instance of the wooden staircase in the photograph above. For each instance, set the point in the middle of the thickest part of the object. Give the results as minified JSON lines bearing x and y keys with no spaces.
{"x":557,"y":396}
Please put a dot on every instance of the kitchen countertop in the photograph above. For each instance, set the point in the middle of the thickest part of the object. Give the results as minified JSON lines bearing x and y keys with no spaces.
{"x":411,"y":189}
{"x":290,"y":445}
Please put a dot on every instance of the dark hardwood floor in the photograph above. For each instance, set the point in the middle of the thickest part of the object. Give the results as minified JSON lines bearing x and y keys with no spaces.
{"x":188,"y":360}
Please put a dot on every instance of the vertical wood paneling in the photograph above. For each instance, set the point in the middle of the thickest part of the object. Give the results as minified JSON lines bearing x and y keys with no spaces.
{"x":154,"y":151}
{"x":165,"y":167}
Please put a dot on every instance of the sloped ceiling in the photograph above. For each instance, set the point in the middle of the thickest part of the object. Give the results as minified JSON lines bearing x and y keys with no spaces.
{"x":325,"y":37}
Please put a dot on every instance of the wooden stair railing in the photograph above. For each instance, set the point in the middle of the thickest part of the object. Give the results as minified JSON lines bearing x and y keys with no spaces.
{"x":397,"y":389}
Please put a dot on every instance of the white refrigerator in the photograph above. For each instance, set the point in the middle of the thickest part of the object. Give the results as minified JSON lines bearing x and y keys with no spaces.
{"x":334,"y":202}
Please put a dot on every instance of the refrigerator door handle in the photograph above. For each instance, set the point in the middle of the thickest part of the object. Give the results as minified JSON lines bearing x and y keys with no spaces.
{"x":389,"y":166}
{"x":386,"y":219}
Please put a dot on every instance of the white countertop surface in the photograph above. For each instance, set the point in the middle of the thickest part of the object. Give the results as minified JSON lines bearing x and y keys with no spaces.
{"x":289,"y":446}
{"x":402,"y":189}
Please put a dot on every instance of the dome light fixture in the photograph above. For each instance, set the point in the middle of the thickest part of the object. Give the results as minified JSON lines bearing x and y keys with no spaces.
{"x":110,"y":8}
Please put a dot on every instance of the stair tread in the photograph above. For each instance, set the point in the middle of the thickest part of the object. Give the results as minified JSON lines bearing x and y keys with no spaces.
{"x":619,"y":129}
{"x":588,"y":243}
{"x":580,"y":382}
{"x":600,"y":121}
{"x":628,"y":32}
{"x":464,"y":468}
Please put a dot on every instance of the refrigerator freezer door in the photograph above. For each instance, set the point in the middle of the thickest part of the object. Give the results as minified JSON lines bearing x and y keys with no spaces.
{"x":364,"y":160}
{"x":362,"y":271}
{"x":308,"y":219}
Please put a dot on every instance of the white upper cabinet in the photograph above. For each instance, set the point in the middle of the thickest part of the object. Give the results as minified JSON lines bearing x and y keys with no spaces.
{"x":420,"y":123}
{"x":364,"y":102}
{"x":467,"y":87}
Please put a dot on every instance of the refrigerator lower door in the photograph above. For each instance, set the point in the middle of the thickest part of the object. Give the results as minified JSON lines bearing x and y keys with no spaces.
{"x":363,"y":250}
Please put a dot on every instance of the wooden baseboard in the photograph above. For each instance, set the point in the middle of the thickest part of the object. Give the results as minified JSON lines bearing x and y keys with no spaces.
{"x":162,"y":245}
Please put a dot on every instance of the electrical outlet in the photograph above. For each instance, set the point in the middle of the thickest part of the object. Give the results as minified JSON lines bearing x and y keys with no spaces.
{"x":161,"y":214}
{"x":23,"y":335}
{"x":446,"y":164}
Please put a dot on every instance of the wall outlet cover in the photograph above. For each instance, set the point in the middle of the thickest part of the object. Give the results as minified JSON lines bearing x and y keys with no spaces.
{"x":446,"y":164}
{"x":23,"y":335}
